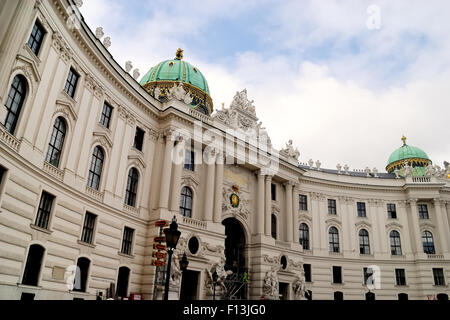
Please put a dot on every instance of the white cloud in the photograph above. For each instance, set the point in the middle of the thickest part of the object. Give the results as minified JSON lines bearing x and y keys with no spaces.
{"x":349,"y":108}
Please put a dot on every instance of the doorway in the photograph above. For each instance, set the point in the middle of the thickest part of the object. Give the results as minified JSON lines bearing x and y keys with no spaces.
{"x":189,"y":285}
{"x":235,"y":260}
{"x":284,"y":291}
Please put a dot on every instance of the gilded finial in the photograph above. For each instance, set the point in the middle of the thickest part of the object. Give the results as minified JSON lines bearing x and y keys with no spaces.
{"x":404,"y":139}
{"x":223,"y":105}
{"x":179,"y":54}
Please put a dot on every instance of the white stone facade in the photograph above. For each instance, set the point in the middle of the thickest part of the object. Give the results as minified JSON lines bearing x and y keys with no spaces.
{"x":169,"y":126}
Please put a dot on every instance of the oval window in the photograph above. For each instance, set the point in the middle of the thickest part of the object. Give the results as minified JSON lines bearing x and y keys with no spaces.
{"x":193,"y":245}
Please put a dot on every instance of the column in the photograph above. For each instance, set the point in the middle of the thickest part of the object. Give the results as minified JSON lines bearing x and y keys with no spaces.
{"x":381,"y":233}
{"x":259,"y":216}
{"x":218,"y":188}
{"x":288,"y":214}
{"x":414,"y":214}
{"x":178,"y":162}
{"x":346,"y":229}
{"x":166,"y":171}
{"x":209,"y":192}
{"x":316,"y":226}
{"x":268,"y":204}
{"x":295,"y":224}
{"x":442,"y":223}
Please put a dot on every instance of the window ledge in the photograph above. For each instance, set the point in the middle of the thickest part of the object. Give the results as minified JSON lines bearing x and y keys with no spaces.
{"x":440,"y":285}
{"x":401,"y":286}
{"x":86,"y":244}
{"x":33,"y":55}
{"x":341,"y":284}
{"x":28,"y":286}
{"x":125,"y":255}
{"x":35,"y":227}
{"x":69,"y":97}
{"x":366,"y":255}
{"x":83,"y":293}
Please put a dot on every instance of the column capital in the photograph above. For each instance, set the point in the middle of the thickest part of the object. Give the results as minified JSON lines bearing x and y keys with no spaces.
{"x":267,"y":172}
{"x":439,"y":202}
{"x":412,"y":201}
{"x":289,"y":184}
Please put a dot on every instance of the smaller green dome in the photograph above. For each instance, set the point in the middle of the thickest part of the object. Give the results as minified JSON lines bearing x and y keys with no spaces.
{"x":415,"y":156}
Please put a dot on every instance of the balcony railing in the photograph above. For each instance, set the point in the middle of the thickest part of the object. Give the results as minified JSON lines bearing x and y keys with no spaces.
{"x":194,"y":223}
{"x":421,"y":179}
{"x":435,"y":256}
{"x":9,"y":139}
{"x":94,"y":193}
{"x":53,"y":171}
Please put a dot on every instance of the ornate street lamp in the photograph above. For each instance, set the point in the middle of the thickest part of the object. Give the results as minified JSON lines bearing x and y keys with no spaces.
{"x":184,"y":262}
{"x":172,"y":235}
{"x":215,"y":276}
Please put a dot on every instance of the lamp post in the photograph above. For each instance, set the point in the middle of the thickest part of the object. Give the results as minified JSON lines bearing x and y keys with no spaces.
{"x":184,"y":262}
{"x":215,"y":276}
{"x":172,"y":236}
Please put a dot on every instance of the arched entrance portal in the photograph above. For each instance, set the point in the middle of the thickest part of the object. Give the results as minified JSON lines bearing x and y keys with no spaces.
{"x":235,"y":256}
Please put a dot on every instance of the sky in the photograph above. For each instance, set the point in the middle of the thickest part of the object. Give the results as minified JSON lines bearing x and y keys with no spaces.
{"x":343,"y":79}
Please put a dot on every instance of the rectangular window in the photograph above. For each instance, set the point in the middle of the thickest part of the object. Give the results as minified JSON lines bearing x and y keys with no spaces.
{"x":189,"y":160}
{"x":337,"y":274}
{"x":127,"y":240}
{"x":71,"y":83}
{"x":392,"y":213}
{"x":139,"y":138}
{"x":36,"y":37}
{"x":273,"y":191}
{"x":2,"y":173}
{"x":303,"y":202}
{"x":400,"y":278}
{"x":307,"y":270}
{"x":438,"y":274}
{"x":331,"y":206}
{"x":423,"y":211}
{"x":361,"y":206}
{"x":368,"y":273}
{"x":88,"y":228}
{"x":44,"y":210}
{"x":105,"y":118}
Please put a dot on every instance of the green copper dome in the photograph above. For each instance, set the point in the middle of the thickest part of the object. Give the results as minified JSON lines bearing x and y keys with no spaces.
{"x":170,"y":73}
{"x":415,"y":157}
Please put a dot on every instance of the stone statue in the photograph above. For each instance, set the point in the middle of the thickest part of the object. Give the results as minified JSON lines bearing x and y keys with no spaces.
{"x":219,"y":268}
{"x":338,"y":167}
{"x":178,"y":92}
{"x":367,"y":171}
{"x":99,"y":33}
{"x":271,"y":284}
{"x":107,"y":42}
{"x":429,"y":170}
{"x":157,"y":92}
{"x":375,"y":172}
{"x":128,"y":66}
{"x":290,"y":152}
{"x":346,"y":168}
{"x":397,"y":173}
{"x":175,"y":272}
{"x":318,"y":164}
{"x":408,"y":170}
{"x":78,"y":3}
{"x":136,"y":73}
{"x":299,"y":287}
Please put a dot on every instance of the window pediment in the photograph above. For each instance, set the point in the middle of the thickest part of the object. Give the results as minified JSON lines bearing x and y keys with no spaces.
{"x":137,"y":159}
{"x":29,"y":67}
{"x":66,"y":107}
{"x":393,"y":224}
{"x":103,"y":139}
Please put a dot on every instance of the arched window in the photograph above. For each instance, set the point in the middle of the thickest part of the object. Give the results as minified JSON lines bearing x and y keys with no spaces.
{"x":132,"y":184}
{"x":95,"y":170}
{"x":396,"y":248}
{"x":274,"y":226}
{"x":56,"y":143}
{"x":428,"y":242}
{"x":81,"y":275}
{"x":14,"y":102}
{"x":186,"y":202}
{"x":33,"y":265}
{"x":122,"y":282}
{"x":333,"y":239}
{"x":304,"y":236}
{"x":364,"y":246}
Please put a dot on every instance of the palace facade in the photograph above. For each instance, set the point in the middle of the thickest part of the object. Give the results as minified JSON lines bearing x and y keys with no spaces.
{"x":91,"y":159}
